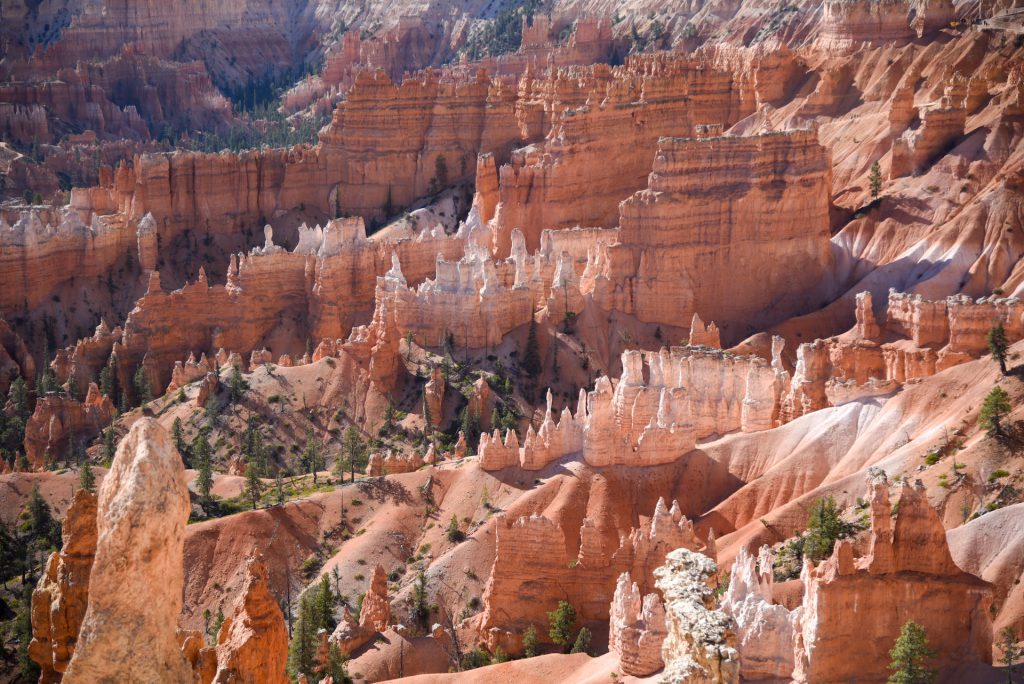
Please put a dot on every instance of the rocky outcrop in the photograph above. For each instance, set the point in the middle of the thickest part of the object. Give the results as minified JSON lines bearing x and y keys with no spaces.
{"x":690,"y":393}
{"x":376,"y":612}
{"x":537,"y":562}
{"x":675,"y":257}
{"x":135,"y":586}
{"x":764,"y":629}
{"x":910,"y":560}
{"x":603,"y":113}
{"x":252,"y":645}
{"x":941,"y":124}
{"x":700,"y":644}
{"x":59,"y":420}
{"x":636,"y":625}
{"x":60,"y":599}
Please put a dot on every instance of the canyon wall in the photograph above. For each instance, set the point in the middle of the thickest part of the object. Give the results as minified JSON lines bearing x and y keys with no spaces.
{"x":714,"y":210}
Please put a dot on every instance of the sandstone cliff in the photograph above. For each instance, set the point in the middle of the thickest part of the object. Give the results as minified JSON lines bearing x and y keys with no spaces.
{"x":135,"y":586}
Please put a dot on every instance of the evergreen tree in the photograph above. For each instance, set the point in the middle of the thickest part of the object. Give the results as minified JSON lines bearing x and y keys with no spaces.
{"x":237,"y":386}
{"x":143,"y":392}
{"x":86,"y":478}
{"x":909,"y":656}
{"x":73,"y":388}
{"x":560,"y":624}
{"x":178,"y":437}
{"x":203,"y":457}
{"x":302,"y":651}
{"x":23,"y":631}
{"x":582,"y":642}
{"x":109,"y":445}
{"x":531,"y":356}
{"x":312,"y":455}
{"x":253,"y":485}
{"x":875,"y":179}
{"x":37,"y":521}
{"x":279,"y":487}
{"x":335,"y":667}
{"x":824,"y":527}
{"x":428,"y":419}
{"x":323,"y":605}
{"x":530,"y":642}
{"x":354,"y":449}
{"x":108,"y":379}
{"x":1012,"y":653}
{"x":420,"y":611}
{"x":998,"y":344}
{"x":454,"y":534}
{"x":993,"y":410}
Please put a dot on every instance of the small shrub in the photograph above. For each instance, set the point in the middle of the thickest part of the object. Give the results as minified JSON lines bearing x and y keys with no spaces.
{"x":996,"y":474}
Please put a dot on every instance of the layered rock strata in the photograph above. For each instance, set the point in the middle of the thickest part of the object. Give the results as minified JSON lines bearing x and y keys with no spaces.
{"x":60,"y":598}
{"x":692,"y":241}
{"x":535,"y":554}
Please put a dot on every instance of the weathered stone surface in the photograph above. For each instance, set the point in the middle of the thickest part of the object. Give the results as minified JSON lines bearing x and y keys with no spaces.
{"x":907,"y":575}
{"x":764,"y":630}
{"x":135,"y":587}
{"x":59,"y":419}
{"x":636,"y":627}
{"x":376,"y":612}
{"x":60,"y":599}
{"x":252,"y":645}
{"x":700,"y":645}
{"x":676,"y":258}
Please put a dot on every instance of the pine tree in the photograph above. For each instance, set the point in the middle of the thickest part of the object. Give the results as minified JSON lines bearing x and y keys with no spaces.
{"x":453,"y":533}
{"x":178,"y":437}
{"x":253,"y":485}
{"x":531,"y":356}
{"x":530,"y":642}
{"x":909,"y":655}
{"x":428,"y":419}
{"x":237,"y":385}
{"x":302,"y":651}
{"x":582,"y":642}
{"x":37,"y":520}
{"x":108,"y":379}
{"x":109,"y":445}
{"x":335,"y":667}
{"x":323,"y":605}
{"x":143,"y":392}
{"x":875,"y":179}
{"x":73,"y":387}
{"x":998,"y":344}
{"x":1012,"y":653}
{"x":560,"y":623}
{"x":824,"y":527}
{"x":279,"y":487}
{"x":312,"y":455}
{"x":993,"y":410}
{"x":354,"y":449}
{"x":420,"y":611}
{"x":86,"y":478}
{"x":203,"y":454}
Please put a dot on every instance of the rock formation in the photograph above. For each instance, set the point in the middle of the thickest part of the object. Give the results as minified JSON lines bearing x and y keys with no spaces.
{"x":533,"y":555}
{"x":60,"y":599}
{"x":700,"y":644}
{"x":764,"y":630}
{"x":674,"y":257}
{"x":376,"y":612}
{"x":135,"y":587}
{"x":909,"y":559}
{"x":636,"y":626}
{"x":252,"y":645}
